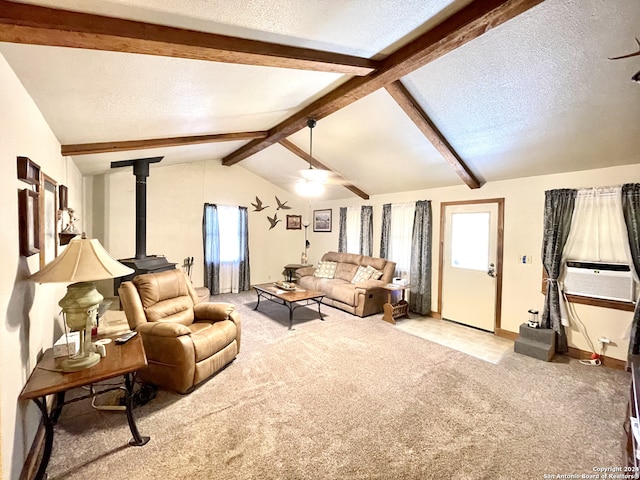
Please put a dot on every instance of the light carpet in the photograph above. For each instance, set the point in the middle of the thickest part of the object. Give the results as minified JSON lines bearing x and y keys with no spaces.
{"x":353,"y":398}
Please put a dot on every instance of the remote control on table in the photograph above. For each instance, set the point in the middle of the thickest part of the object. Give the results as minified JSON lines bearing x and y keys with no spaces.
{"x":126,"y":337}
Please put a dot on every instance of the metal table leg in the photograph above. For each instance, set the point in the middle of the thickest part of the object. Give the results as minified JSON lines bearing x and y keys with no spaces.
{"x":48,"y":437}
{"x":257,"y":304}
{"x":137,"y":440}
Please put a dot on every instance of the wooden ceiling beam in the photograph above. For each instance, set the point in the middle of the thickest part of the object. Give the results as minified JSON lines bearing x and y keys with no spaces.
{"x":124,"y":146}
{"x":35,"y":25}
{"x":460,"y":28}
{"x":316,"y":163}
{"x":413,"y":110}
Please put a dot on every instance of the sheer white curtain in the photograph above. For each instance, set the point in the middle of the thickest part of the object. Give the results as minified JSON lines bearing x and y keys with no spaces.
{"x":598,"y":231}
{"x":353,"y":229}
{"x":229,"y":221}
{"x":402,"y":215}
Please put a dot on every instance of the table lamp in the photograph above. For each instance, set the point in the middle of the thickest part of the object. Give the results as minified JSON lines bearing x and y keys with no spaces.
{"x":82,"y":263}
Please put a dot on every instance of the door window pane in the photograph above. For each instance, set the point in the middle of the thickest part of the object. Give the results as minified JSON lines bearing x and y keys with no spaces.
{"x":470,"y":240}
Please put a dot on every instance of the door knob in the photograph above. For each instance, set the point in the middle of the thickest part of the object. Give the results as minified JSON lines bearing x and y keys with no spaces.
{"x":492,"y":270}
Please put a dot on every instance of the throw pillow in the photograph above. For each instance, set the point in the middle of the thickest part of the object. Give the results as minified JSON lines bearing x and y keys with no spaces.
{"x":375,"y":274}
{"x":325,"y":270}
{"x":361,"y":275}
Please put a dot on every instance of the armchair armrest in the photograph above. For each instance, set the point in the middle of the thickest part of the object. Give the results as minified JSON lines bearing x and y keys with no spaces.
{"x":163,"y":329}
{"x":213,"y":311}
{"x":305,"y":271}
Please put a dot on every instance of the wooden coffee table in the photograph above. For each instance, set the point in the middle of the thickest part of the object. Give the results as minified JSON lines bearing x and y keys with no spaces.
{"x":289,"y":299}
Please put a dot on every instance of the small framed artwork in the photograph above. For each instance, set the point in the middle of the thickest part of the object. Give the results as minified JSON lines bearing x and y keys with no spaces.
{"x":49,"y":222}
{"x":29,"y":222}
{"x":322,"y":220}
{"x":294,"y":222}
{"x":62,"y":197}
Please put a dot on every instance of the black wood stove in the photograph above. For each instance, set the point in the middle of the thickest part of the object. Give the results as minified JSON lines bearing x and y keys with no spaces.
{"x":141,"y":263}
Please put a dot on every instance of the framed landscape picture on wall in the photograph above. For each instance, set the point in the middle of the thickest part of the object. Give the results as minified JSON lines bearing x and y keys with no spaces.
{"x":294,"y":222}
{"x":322,"y":220}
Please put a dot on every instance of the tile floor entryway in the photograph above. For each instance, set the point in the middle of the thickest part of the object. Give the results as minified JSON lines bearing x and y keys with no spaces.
{"x":479,"y":344}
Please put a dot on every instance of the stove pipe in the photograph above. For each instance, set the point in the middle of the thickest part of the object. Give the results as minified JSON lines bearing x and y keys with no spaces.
{"x":141,"y":172}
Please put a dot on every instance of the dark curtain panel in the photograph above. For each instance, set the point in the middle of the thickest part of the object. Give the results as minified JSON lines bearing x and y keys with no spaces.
{"x":243,"y":236}
{"x":420,"y":269}
{"x":342,"y":232}
{"x":386,"y":230}
{"x":631,"y":211}
{"x":366,"y":230}
{"x":211,"y":242}
{"x":558,"y":211}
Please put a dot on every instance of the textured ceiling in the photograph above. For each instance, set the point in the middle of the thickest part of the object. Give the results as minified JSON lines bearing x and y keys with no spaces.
{"x":535,"y":95}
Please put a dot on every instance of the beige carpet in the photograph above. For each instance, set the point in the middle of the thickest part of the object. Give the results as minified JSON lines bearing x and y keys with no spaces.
{"x":352,"y":398}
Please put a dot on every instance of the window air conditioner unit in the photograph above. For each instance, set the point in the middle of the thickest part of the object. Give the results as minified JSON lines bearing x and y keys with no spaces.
{"x":609,"y":281}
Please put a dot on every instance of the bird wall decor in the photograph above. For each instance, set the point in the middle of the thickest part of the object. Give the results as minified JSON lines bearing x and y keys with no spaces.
{"x":282,"y":205}
{"x":636,"y":77}
{"x":258,"y":207}
{"x":273,"y":221}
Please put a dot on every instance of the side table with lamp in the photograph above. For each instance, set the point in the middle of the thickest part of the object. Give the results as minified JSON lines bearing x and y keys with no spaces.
{"x":82,"y":263}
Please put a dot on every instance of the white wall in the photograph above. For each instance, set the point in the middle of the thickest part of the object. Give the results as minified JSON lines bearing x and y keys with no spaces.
{"x":175,"y":199}
{"x":524,"y":207}
{"x":28,"y":312}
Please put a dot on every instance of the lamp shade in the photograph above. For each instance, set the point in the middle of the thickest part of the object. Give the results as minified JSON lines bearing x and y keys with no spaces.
{"x":84,"y":260}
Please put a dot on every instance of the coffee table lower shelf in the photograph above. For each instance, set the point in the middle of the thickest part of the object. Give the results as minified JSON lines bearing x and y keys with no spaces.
{"x":289,"y":299}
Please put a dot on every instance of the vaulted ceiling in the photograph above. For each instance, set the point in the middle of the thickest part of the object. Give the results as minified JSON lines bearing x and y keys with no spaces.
{"x":408,"y":94}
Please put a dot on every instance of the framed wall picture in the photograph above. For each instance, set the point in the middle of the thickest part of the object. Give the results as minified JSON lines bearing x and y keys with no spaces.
{"x":29,"y":222}
{"x":294,"y":222}
{"x":62,"y":197}
{"x":322,"y":220}
{"x":49,"y":221}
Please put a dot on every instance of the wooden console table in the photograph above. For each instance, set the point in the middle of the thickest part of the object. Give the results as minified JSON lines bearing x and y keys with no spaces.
{"x":48,"y":379}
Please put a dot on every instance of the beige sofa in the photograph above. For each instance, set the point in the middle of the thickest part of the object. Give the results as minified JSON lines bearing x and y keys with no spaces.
{"x":362,"y":299}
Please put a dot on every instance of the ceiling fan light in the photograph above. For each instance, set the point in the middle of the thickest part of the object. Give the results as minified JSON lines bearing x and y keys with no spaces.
{"x":309,"y":188}
{"x":315,"y":175}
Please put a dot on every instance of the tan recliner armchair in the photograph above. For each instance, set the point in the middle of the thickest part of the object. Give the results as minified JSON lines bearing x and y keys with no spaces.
{"x":185,"y":340}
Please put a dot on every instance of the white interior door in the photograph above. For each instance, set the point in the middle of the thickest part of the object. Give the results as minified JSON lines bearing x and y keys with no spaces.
{"x":469,"y":269}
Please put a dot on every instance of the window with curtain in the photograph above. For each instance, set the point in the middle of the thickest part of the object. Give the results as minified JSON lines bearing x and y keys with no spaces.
{"x":598,"y":232}
{"x":401,"y":229}
{"x":356,"y":230}
{"x":226,"y":248}
{"x":353,"y":229}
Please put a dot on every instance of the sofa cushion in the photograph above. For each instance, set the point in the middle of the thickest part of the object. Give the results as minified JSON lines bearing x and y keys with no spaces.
{"x":361,"y":275}
{"x":325,"y":270}
{"x":346,"y":271}
{"x":374,"y":274}
{"x":344,"y":292}
{"x":377,"y":263}
{"x":316,"y":283}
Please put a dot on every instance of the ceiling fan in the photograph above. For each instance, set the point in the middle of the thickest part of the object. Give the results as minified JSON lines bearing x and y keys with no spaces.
{"x":311,"y":182}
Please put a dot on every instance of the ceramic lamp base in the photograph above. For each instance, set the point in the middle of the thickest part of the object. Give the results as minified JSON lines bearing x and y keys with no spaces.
{"x":80,"y":363}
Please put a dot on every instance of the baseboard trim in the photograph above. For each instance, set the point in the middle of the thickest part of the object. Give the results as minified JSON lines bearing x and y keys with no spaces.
{"x":436,"y":315}
{"x":606,"y":361}
{"x":573,"y":352}
{"x":499,"y":332}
